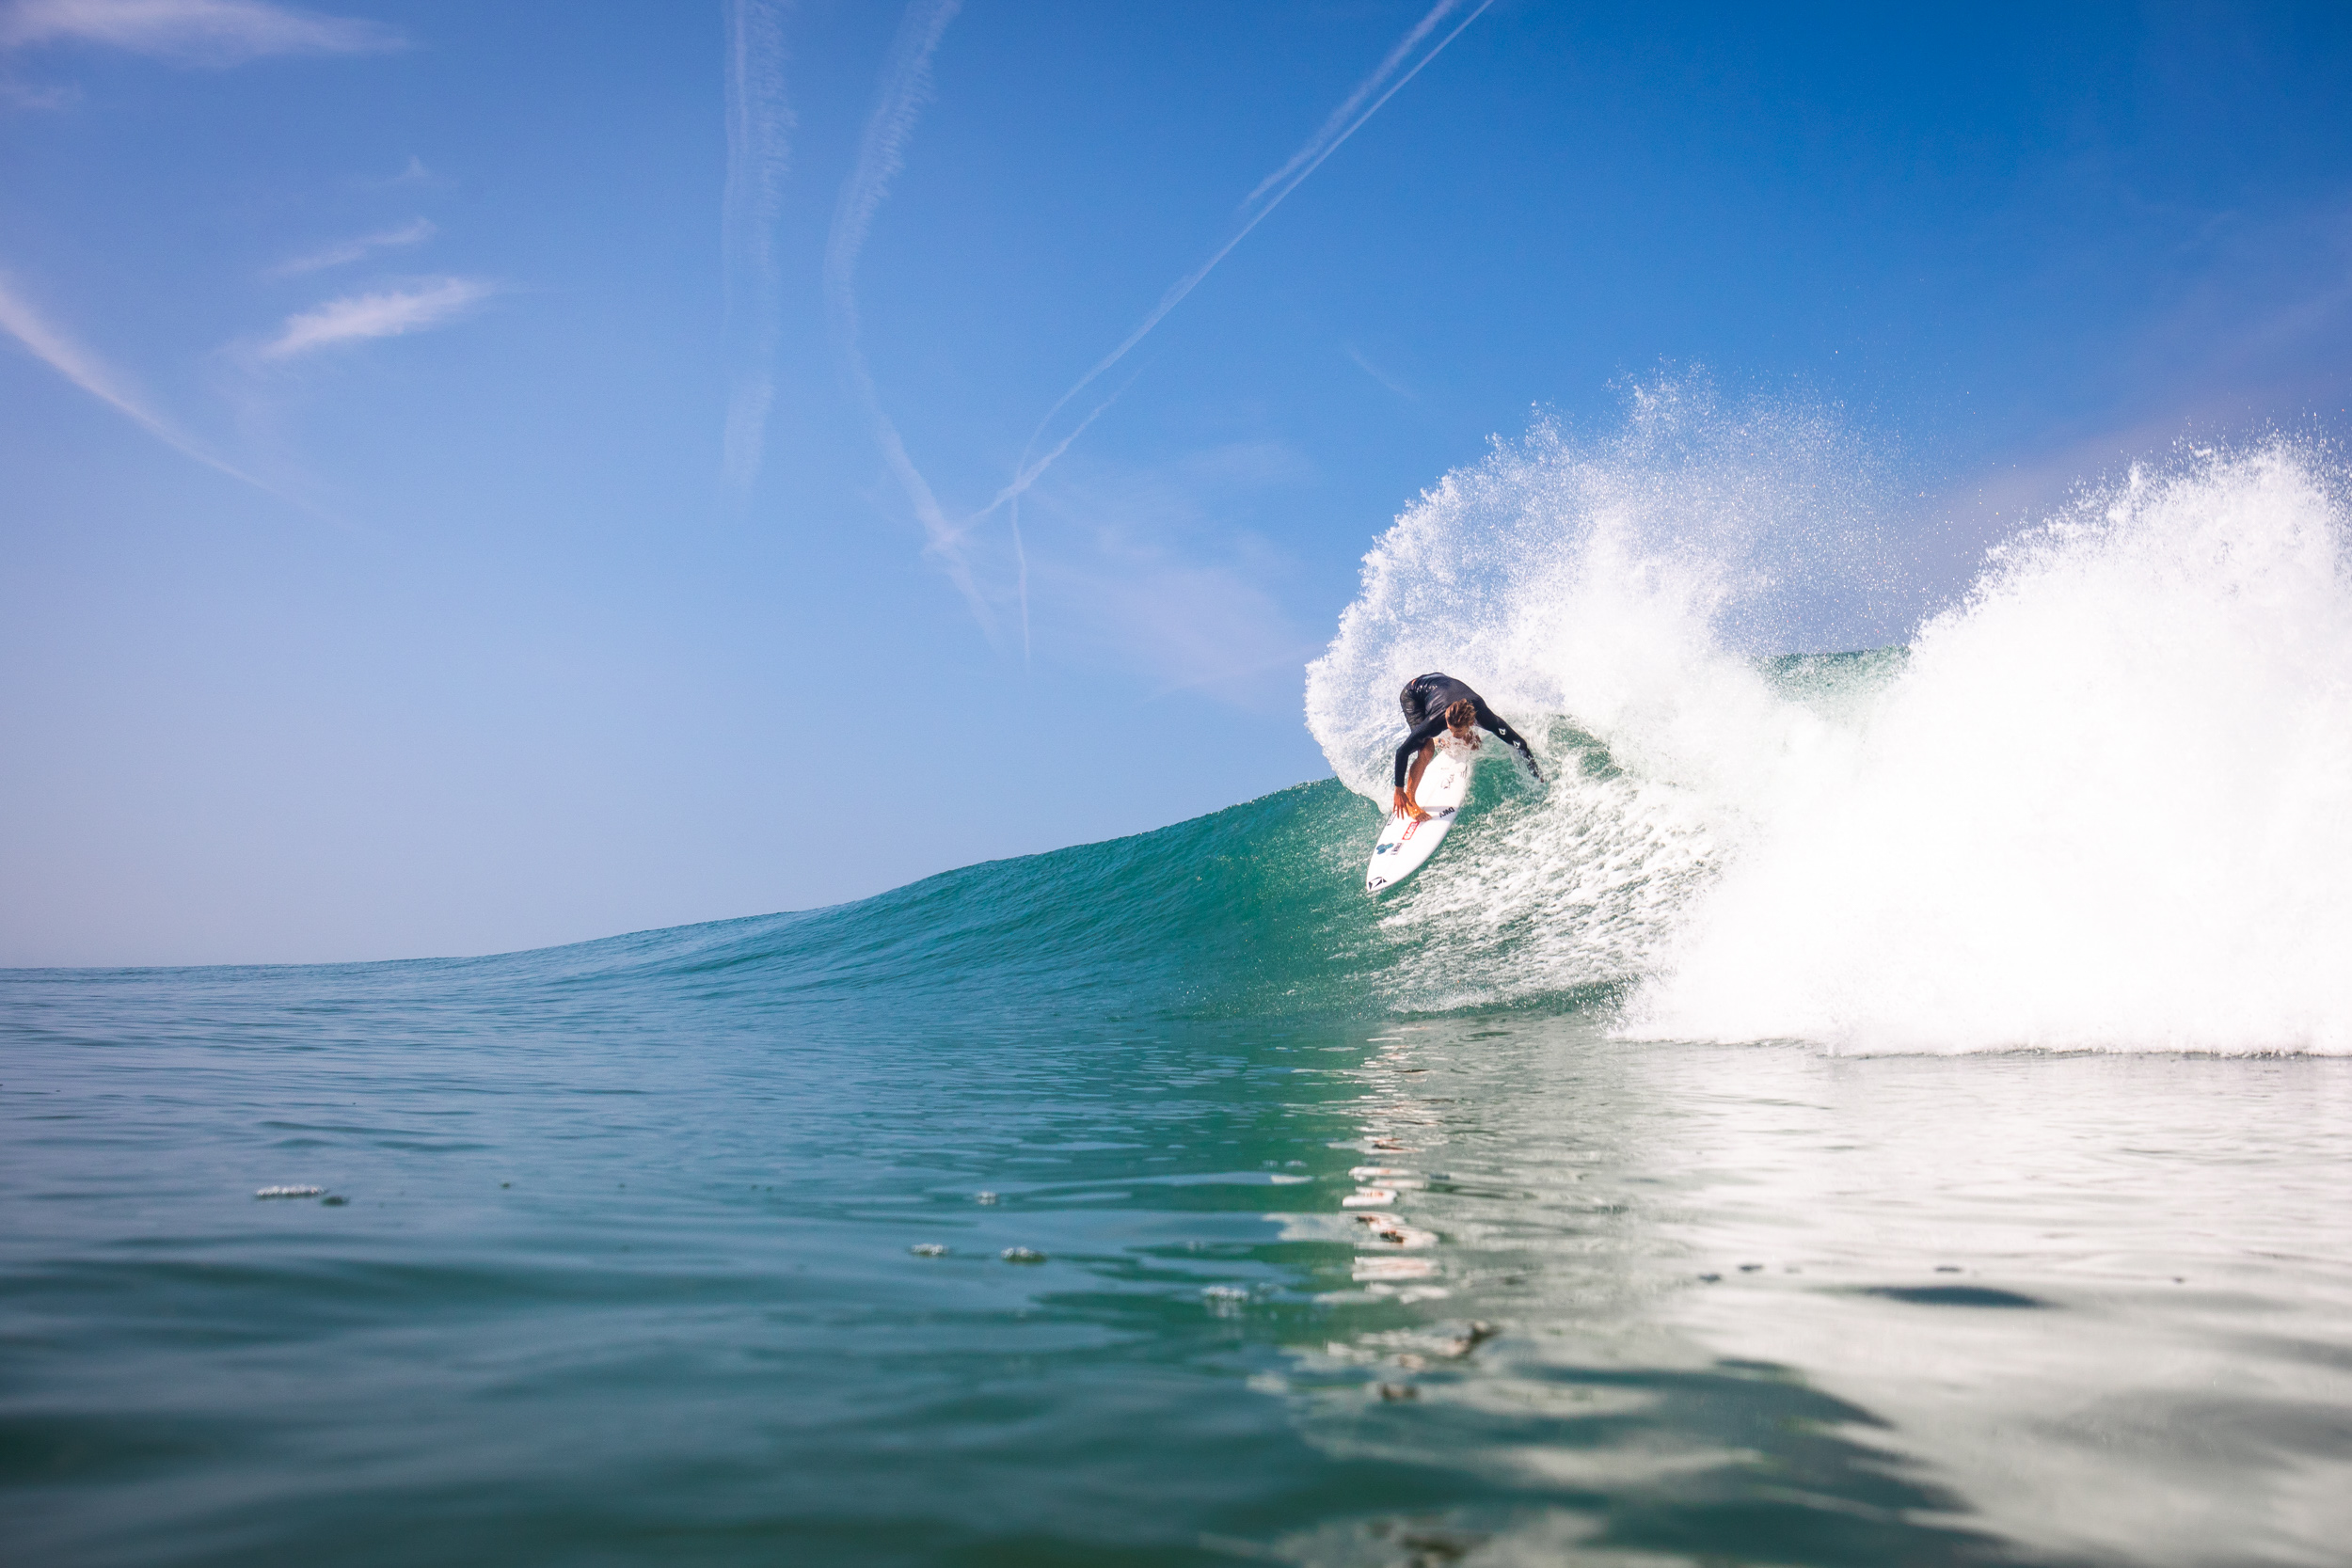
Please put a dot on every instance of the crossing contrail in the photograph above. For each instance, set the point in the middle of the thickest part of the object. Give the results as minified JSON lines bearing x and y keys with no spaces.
{"x":882,"y":153}
{"x":1343,"y":123}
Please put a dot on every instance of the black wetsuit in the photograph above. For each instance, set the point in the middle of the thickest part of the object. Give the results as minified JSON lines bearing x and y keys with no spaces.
{"x":1425,"y":698}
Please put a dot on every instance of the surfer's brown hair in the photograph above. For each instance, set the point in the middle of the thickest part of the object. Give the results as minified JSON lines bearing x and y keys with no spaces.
{"x":1462,"y":714}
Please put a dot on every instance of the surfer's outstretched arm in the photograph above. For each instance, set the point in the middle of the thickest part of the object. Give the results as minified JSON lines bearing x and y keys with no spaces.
{"x":1405,"y":801}
{"x":1424,"y":732}
{"x":1489,"y":720}
{"x":1423,"y":741}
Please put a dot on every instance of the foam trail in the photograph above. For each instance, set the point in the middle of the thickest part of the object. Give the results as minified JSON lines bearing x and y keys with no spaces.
{"x":760,"y":124}
{"x":882,"y":153}
{"x":2103,"y":802}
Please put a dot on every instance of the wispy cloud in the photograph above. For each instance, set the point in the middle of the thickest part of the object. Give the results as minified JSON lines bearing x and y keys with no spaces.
{"x":193,"y":32}
{"x":882,"y":153}
{"x":1402,"y":63}
{"x":759,"y":121}
{"x":352,"y":250}
{"x":1148,"y":571}
{"x":390,"y":314}
{"x":18,"y":95}
{"x":1391,"y":382}
{"x":55,"y":348}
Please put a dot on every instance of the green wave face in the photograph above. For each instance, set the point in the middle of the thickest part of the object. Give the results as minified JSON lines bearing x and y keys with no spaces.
{"x":1258,"y":910}
{"x":1554,"y":898}
{"x":1255,"y":911}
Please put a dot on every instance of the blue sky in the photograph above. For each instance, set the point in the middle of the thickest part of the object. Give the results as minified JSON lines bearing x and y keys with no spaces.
{"x":480,"y":477}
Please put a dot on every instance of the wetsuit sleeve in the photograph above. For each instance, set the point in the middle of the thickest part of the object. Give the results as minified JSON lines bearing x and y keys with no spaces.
{"x":1424,"y":732}
{"x":1487,"y":719}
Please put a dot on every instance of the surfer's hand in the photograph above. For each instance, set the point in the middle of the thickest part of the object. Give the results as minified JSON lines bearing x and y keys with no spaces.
{"x":1410,"y":807}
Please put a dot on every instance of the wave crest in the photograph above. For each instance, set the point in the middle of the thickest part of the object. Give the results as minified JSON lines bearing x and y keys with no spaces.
{"x":2103,"y":802}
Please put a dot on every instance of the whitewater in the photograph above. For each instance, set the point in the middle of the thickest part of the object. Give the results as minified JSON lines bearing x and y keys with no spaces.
{"x":1884,"y":1100}
{"x":2099,"y":802}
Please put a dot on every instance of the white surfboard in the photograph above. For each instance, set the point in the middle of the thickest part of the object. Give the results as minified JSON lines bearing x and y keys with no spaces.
{"x":1405,"y":843}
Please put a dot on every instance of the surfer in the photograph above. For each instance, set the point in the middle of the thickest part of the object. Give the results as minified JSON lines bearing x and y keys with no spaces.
{"x":1439,"y":705}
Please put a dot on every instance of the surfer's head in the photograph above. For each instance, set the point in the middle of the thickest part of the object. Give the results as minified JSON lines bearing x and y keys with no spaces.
{"x":1461,"y":715}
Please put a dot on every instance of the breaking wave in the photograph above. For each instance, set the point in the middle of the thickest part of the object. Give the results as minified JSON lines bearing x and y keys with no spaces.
{"x":2103,"y":801}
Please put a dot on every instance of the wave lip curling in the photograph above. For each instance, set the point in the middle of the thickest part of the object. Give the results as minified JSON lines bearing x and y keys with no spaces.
{"x":2104,"y":803}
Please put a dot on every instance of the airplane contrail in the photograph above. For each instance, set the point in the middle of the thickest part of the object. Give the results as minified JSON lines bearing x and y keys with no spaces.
{"x":758,"y":120}
{"x":1344,"y":122}
{"x":882,"y":153}
{"x":54,"y":348}
{"x":1339,"y":117}
{"x":906,"y":86}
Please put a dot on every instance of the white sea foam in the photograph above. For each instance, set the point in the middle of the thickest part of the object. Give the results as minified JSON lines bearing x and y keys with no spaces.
{"x":2104,"y":803}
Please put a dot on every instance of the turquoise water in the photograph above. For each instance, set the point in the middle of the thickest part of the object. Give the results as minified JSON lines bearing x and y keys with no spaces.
{"x":614,"y":1257}
{"x":1868,"y":1109}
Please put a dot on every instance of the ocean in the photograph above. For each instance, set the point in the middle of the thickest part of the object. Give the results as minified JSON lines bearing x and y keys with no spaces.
{"x":1872,"y":1108}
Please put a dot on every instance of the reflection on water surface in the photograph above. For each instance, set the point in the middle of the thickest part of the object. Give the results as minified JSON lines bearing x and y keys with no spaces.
{"x":703,"y":1283}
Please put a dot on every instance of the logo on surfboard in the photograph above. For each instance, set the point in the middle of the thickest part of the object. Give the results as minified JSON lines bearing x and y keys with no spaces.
{"x":1401,"y":836}
{"x":1413,"y":826}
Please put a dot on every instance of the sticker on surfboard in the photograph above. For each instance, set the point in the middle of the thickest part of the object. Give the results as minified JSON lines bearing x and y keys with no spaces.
{"x":1405,"y":843}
